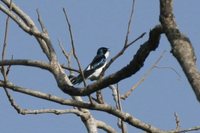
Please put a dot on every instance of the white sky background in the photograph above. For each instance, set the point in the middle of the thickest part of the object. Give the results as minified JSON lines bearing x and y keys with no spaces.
{"x":96,"y":24}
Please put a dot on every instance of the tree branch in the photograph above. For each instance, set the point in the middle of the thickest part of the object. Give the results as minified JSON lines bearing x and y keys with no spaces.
{"x":27,"y":24}
{"x":105,"y":127}
{"x":128,"y":93}
{"x":95,"y":106}
{"x":135,"y":65}
{"x":41,"y":111}
{"x":126,"y":44}
{"x":3,"y":71}
{"x":181,"y":46}
{"x":24,"y":62}
{"x":47,"y":39}
{"x":73,"y":47}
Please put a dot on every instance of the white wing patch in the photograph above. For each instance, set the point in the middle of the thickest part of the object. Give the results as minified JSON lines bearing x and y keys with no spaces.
{"x":97,"y":72}
{"x":88,"y":68}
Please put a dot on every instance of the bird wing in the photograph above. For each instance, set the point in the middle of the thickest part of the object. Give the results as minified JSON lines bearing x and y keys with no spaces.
{"x":96,"y":63}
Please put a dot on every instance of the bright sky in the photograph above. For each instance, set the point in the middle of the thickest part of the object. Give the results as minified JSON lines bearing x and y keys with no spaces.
{"x":96,"y":24}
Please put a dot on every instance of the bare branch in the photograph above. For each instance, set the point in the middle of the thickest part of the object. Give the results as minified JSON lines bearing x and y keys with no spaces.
{"x":135,"y":65}
{"x":95,"y":106}
{"x":116,"y":96}
{"x":23,"y":16}
{"x":129,"y":24}
{"x":170,"y":68}
{"x":20,"y":22}
{"x":69,"y":68}
{"x":126,"y":44}
{"x":122,"y":124}
{"x":196,"y":128}
{"x":47,"y":39}
{"x":73,"y":47}
{"x":3,"y":71}
{"x":177,"y":121}
{"x":24,"y":62}
{"x":182,"y":48}
{"x":41,"y":111}
{"x":121,"y":52}
{"x":26,"y":24}
{"x":105,"y":127}
{"x":44,"y":30}
{"x":128,"y":93}
{"x":67,"y":56}
{"x":101,"y":107}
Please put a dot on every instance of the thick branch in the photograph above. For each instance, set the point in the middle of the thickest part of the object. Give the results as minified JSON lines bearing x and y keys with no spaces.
{"x":181,"y":46}
{"x":135,"y":65}
{"x":95,"y":106}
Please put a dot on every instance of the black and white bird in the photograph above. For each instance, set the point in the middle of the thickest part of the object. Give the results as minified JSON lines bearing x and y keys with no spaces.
{"x":94,"y":69}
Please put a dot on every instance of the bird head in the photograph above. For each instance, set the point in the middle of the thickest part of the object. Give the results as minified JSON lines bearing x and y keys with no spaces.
{"x":103,"y":51}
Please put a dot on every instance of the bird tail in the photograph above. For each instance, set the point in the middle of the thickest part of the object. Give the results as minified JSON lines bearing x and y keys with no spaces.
{"x":75,"y":80}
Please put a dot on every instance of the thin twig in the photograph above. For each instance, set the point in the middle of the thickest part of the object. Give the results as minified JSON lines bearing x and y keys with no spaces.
{"x":196,"y":128}
{"x":127,"y":94}
{"x":116,"y":97}
{"x":70,"y":69}
{"x":123,"y":50}
{"x":3,"y":71}
{"x":9,"y":67}
{"x":126,"y":44}
{"x":129,"y":24}
{"x":67,"y":55}
{"x":177,"y":121}
{"x":73,"y":47}
{"x":46,"y":38}
{"x":123,"y":126}
{"x":139,"y":37}
{"x":12,"y":102}
{"x":171,"y":68}
{"x":5,"y":44}
{"x":44,"y":29}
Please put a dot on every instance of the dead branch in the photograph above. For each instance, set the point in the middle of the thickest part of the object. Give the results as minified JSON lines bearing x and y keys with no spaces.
{"x":73,"y":47}
{"x":128,"y":93}
{"x":95,"y":106}
{"x":135,"y":65}
{"x":126,"y":44}
{"x":24,"y":62}
{"x":26,"y":24}
{"x":105,"y":126}
{"x":182,"y":48}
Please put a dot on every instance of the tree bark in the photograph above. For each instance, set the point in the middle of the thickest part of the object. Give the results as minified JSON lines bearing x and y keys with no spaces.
{"x":181,"y":46}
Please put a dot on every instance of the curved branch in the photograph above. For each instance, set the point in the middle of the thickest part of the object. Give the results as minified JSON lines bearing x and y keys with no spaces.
{"x":26,"y":19}
{"x":134,"y":66}
{"x":104,"y":126}
{"x":32,"y":63}
{"x":95,"y":106}
{"x":27,"y":24}
{"x":126,"y":117}
{"x":41,"y":111}
{"x":181,"y":46}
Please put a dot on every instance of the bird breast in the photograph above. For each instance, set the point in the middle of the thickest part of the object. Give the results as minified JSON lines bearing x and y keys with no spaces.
{"x":97,"y":73}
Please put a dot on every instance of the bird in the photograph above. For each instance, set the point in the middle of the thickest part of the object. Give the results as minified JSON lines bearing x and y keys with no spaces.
{"x":94,"y":69}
